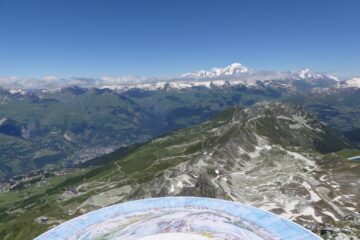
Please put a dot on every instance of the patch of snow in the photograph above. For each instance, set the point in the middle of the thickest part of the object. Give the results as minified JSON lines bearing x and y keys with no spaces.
{"x":301,"y":157}
{"x":322,"y":178}
{"x":352,"y":158}
{"x":68,"y":137}
{"x":309,"y":211}
{"x":331,"y":215}
{"x":284,"y":118}
{"x":172,"y":189}
{"x":314,"y":196}
{"x":289,"y":207}
{"x":180,"y":184}
{"x":2,"y":120}
{"x":337,"y":199}
{"x":350,"y":208}
{"x":301,"y":120}
{"x":334,"y":184}
{"x":17,"y":91}
{"x":184,"y":178}
{"x":296,"y":126}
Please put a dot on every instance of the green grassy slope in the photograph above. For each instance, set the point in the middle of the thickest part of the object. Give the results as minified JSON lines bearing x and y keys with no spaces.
{"x":114,"y":176}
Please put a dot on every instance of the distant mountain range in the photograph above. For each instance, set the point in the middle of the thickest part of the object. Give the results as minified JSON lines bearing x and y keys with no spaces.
{"x":234,"y":74}
{"x":238,"y":75}
{"x":59,"y":127}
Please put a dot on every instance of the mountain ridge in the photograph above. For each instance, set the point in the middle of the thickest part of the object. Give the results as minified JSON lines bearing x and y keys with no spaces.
{"x":228,"y":157}
{"x":75,"y":124}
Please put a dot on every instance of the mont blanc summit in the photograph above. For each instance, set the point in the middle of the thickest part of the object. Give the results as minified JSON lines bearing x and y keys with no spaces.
{"x":234,"y":69}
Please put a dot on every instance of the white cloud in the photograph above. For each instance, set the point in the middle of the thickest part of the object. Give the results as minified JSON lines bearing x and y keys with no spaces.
{"x":50,"y":78}
{"x":53,"y":82}
{"x":125,"y":80}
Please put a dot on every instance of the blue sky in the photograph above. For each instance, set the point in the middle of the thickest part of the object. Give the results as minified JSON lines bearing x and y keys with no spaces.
{"x":162,"y":38}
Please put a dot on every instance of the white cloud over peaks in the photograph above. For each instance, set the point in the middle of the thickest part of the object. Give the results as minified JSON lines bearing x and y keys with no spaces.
{"x":8,"y":82}
{"x":50,"y":78}
{"x":54,"y":82}
{"x":124,"y":80}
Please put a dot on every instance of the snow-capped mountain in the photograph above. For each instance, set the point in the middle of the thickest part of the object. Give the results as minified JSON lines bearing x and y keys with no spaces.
{"x":353,"y":83}
{"x":347,"y":85}
{"x":234,"y":154}
{"x":237,"y":74}
{"x":307,"y":74}
{"x":234,"y":69}
{"x":239,"y":71}
{"x":306,"y":79}
{"x":234,"y":74}
{"x":17,"y":91}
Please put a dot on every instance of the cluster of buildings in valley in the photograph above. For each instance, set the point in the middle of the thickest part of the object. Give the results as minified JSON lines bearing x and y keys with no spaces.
{"x":35,"y":177}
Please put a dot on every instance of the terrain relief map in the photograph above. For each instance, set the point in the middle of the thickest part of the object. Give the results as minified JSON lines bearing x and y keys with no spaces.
{"x":179,"y":218}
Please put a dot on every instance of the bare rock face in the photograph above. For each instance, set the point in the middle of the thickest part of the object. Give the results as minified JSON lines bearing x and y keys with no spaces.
{"x":344,"y":229}
{"x":269,"y":156}
{"x":202,"y":188}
